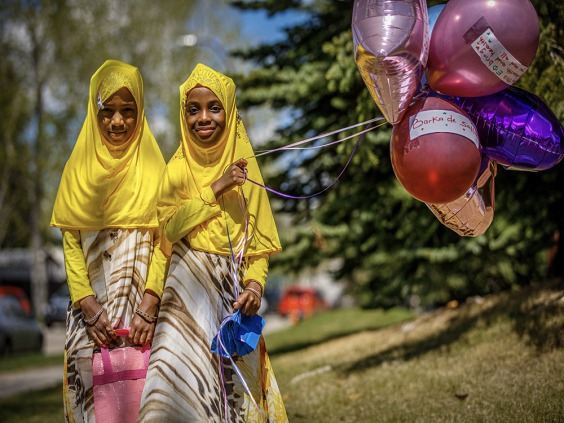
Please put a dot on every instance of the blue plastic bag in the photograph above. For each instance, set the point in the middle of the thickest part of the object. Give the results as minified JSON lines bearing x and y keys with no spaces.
{"x":239,"y":334}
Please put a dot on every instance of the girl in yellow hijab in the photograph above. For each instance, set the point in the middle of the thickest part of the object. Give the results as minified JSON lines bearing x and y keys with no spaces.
{"x":106,"y":208}
{"x":220,"y":233}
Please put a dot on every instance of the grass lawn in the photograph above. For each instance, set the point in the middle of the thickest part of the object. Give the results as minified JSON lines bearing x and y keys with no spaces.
{"x":28,"y":361}
{"x":496,"y":359}
{"x":493,"y":359}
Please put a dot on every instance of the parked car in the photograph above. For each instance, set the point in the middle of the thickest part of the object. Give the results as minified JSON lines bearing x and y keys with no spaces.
{"x":19,"y":293}
{"x":299,"y":302}
{"x":56,"y":310}
{"x":19,"y":332}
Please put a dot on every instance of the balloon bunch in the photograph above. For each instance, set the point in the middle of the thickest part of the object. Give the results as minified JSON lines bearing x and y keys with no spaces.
{"x":443,"y":77}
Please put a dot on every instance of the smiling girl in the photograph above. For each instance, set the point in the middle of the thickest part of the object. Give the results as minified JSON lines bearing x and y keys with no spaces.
{"x":106,"y":208}
{"x":221,"y":233}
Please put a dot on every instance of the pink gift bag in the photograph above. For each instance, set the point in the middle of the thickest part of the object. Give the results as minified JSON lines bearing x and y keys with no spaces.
{"x":118,"y":379}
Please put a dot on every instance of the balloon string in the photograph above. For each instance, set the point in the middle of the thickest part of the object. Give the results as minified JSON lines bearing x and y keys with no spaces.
{"x":236,"y":258}
{"x":237,"y":253}
{"x":281,"y":194}
{"x":293,"y":145}
{"x":222,"y":349}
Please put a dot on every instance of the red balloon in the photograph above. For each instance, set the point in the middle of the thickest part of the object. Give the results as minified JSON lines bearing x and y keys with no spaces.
{"x":435,"y":151}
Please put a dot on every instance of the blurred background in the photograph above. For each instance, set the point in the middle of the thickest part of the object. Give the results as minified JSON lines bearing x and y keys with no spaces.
{"x":363,"y":242}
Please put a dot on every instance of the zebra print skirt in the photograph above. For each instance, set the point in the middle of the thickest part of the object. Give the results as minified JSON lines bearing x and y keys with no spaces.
{"x":117,"y":261}
{"x":185,"y":382}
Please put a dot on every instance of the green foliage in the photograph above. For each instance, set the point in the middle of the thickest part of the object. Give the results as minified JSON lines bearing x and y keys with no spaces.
{"x":50,"y":49}
{"x":14,"y":208}
{"x":393,"y":248}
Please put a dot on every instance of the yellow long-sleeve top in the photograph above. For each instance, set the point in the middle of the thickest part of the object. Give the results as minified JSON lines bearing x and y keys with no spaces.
{"x":195,"y":212}
{"x":77,"y":274}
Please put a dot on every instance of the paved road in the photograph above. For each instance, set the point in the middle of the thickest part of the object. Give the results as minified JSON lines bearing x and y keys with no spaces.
{"x":13,"y":383}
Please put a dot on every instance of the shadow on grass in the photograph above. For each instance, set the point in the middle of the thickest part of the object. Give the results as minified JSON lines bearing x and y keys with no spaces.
{"x":540,"y":322}
{"x":536,"y":313}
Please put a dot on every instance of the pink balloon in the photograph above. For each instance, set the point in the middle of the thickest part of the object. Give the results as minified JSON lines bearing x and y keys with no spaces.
{"x":473,"y":213}
{"x":435,"y":151}
{"x":391,"y":45}
{"x":480,"y":47}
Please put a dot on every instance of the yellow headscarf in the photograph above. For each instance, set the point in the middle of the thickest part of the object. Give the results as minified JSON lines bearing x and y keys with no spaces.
{"x":194,"y":168}
{"x":103,"y":186}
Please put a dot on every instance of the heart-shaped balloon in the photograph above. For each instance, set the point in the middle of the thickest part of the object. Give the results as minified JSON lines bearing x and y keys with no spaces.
{"x":473,"y":213}
{"x":480,"y":47}
{"x":516,"y":129}
{"x":391,"y":46}
{"x":435,"y":151}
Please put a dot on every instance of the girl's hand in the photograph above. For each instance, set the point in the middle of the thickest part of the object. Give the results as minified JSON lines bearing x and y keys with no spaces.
{"x":235,"y":175}
{"x":100,"y":331}
{"x":250,"y":299}
{"x":142,"y":331}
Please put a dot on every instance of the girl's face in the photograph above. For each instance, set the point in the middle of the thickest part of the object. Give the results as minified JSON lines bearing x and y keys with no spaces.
{"x":117,"y":120}
{"x":205,"y":116}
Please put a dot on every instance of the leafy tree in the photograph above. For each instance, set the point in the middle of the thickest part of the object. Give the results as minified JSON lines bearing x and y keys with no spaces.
{"x":50,"y":49}
{"x":390,"y":245}
{"x":13,"y":209}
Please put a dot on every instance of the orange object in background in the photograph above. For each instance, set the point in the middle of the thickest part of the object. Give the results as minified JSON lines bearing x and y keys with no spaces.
{"x":19,"y":293}
{"x":300,"y":302}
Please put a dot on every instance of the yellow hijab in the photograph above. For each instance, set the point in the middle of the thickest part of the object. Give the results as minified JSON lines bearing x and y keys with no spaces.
{"x":194,"y":168}
{"x":103,"y":186}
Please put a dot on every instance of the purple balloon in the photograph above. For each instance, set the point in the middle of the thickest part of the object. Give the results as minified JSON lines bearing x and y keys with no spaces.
{"x":473,"y":213}
{"x":516,"y":129}
{"x":391,"y":46}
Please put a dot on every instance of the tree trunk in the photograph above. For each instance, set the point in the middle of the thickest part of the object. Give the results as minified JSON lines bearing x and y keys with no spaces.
{"x":39,"y":278}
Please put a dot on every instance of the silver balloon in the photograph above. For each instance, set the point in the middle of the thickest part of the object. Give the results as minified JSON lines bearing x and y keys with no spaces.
{"x":473,"y":213}
{"x":391,"y":46}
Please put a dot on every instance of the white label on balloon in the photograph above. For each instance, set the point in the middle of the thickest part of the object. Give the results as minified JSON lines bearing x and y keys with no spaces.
{"x":497,"y":59}
{"x":433,"y":121}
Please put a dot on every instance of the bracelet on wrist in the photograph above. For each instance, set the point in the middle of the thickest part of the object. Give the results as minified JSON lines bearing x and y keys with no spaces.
{"x":94,"y":318}
{"x":255,"y":292}
{"x":147,"y":317}
{"x":258,"y":283}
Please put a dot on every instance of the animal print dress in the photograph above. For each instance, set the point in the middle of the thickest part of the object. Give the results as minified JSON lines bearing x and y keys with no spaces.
{"x":184,"y":381}
{"x":117,"y":261}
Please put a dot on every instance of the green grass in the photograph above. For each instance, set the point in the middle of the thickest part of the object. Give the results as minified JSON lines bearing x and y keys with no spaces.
{"x":45,"y":406}
{"x":331,"y":325}
{"x":28,"y":361}
{"x":500,"y":359}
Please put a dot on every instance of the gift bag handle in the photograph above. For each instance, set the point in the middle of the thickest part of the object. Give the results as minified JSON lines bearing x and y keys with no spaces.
{"x":109,"y":376}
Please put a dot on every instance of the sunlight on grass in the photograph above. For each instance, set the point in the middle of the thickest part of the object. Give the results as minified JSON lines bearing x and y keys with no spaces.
{"x":495,"y":359}
{"x":28,"y":361}
{"x":332,"y":324}
{"x":480,"y":362}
